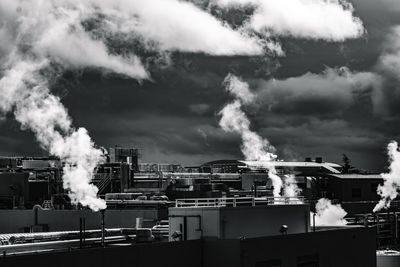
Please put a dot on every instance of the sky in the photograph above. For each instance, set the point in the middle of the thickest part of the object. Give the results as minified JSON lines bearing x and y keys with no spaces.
{"x":317,"y":97}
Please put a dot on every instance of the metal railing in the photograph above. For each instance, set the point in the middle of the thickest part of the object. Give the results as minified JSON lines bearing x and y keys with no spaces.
{"x":236,"y":202}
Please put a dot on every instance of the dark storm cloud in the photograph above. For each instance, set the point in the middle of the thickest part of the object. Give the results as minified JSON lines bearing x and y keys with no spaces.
{"x":310,"y":109}
{"x":332,"y":91}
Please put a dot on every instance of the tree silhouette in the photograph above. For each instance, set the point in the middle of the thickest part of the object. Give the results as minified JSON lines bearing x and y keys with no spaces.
{"x":347,"y":167}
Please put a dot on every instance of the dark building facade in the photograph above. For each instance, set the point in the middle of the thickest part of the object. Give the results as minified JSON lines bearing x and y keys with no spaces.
{"x":351,"y":247}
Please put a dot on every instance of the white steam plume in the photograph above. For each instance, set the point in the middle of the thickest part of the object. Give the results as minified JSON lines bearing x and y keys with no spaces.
{"x":233,"y":119}
{"x":40,"y":39}
{"x":290,"y":188}
{"x":388,"y":66}
{"x":26,"y":92}
{"x":391,"y":186}
{"x":331,"y":20}
{"x":328,"y":214}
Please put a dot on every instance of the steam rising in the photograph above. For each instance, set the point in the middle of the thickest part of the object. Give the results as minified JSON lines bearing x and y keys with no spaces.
{"x":26,"y":92}
{"x":233,"y":119}
{"x":328,"y":214}
{"x":290,"y":186}
{"x":41,"y":39}
{"x":391,"y":186}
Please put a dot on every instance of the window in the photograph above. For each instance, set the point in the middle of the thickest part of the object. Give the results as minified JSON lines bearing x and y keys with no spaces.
{"x":308,"y":261}
{"x":356,"y":192}
{"x":374,"y":187}
{"x":269,"y":263}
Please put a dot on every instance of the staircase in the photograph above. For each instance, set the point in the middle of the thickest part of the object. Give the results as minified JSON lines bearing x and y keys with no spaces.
{"x":102,"y":181}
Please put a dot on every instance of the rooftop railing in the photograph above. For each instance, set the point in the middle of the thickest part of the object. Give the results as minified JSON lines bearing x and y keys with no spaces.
{"x":237,"y":201}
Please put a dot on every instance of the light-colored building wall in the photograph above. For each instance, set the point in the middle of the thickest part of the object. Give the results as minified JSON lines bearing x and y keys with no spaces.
{"x":236,"y":222}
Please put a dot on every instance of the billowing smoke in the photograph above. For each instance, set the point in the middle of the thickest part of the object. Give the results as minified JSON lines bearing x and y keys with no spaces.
{"x":331,"y":20}
{"x":41,"y":39}
{"x":233,"y":119}
{"x":391,"y":186}
{"x":328,"y":214}
{"x":290,"y":188}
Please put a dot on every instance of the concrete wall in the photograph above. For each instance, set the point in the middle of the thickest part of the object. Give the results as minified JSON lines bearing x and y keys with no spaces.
{"x":13,"y":221}
{"x":364,"y":185}
{"x":388,"y":260}
{"x":351,"y":247}
{"x":179,"y":254}
{"x":342,"y":188}
{"x":264,"y":220}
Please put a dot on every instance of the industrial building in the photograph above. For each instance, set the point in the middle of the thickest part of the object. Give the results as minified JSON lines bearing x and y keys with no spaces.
{"x":220,"y":204}
{"x":217,"y":232}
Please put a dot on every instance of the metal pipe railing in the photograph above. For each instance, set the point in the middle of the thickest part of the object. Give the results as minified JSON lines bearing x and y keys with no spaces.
{"x":234,"y":202}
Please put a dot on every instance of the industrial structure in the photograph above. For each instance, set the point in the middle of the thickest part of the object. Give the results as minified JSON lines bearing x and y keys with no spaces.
{"x":223,"y":207}
{"x":204,"y":233}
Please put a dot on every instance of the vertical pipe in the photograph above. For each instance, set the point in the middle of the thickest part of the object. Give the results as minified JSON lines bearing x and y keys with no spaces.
{"x":102,"y":227}
{"x":314,"y":214}
{"x":181,"y":230}
{"x":185,"y":228}
{"x":80,"y":232}
{"x":396,"y":226}
{"x":84,"y":231}
{"x":139,"y":222}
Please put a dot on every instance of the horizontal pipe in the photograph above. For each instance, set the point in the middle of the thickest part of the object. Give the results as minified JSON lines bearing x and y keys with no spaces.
{"x":57,"y":245}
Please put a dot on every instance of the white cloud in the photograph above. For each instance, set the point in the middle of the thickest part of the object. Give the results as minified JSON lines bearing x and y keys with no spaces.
{"x":331,"y":20}
{"x":179,"y":25}
{"x":36,"y":34}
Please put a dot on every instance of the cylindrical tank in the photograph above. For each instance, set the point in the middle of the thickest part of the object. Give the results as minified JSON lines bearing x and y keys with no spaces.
{"x":387,"y":258}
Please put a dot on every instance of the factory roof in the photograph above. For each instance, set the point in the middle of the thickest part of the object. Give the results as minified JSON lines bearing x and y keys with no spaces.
{"x":357,"y":176}
{"x":293,"y":164}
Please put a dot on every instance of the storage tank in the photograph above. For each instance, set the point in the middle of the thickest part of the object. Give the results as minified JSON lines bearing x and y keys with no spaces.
{"x":387,"y":258}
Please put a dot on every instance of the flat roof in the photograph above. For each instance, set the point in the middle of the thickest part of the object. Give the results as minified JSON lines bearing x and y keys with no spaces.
{"x":357,"y":176}
{"x":293,"y":164}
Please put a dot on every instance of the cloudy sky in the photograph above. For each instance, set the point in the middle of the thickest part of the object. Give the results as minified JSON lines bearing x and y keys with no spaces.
{"x":319,"y":93}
